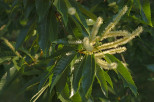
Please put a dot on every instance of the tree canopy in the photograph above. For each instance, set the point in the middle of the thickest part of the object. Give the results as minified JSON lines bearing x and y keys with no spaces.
{"x":76,"y":50}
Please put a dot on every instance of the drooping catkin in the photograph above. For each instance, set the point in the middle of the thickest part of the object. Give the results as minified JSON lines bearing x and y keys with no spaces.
{"x":94,"y":45}
{"x":103,"y":64}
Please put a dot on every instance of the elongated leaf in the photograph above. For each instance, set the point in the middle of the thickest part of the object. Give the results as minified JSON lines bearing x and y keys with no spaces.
{"x":64,"y":96}
{"x":42,"y":8}
{"x":88,"y":74}
{"x":76,"y":28}
{"x":29,"y":84}
{"x":24,"y":32}
{"x":77,"y":75}
{"x":124,"y":72}
{"x":79,"y":15}
{"x":8,"y":78}
{"x":60,"y":68}
{"x":108,"y":79}
{"x":87,"y":12}
{"x":29,"y":6}
{"x":100,"y":75}
{"x":43,"y":80}
{"x":76,"y":98}
{"x":62,"y":51}
{"x":21,"y":37}
{"x":146,"y":11}
{"x":47,"y":30}
{"x":62,"y":82}
{"x":62,"y":9}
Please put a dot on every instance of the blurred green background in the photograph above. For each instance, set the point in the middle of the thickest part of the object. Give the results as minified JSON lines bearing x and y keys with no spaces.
{"x":139,"y":55}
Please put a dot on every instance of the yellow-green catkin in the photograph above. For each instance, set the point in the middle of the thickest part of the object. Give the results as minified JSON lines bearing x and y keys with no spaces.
{"x":95,"y":28}
{"x":103,"y":64}
{"x":93,"y":44}
{"x":111,"y":51}
{"x":121,"y":41}
{"x":115,"y":21}
{"x":116,"y":34}
{"x":86,"y":43}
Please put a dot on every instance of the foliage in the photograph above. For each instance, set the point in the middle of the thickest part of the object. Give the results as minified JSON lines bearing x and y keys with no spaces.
{"x":49,"y":50}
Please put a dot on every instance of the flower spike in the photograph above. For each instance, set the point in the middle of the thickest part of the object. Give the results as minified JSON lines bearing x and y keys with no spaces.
{"x":115,"y":21}
{"x":95,"y":28}
{"x":112,"y":51}
{"x":93,"y":44}
{"x":105,"y":65}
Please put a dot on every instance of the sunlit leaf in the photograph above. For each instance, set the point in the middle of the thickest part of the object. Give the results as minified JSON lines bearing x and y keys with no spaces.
{"x":100,"y":75}
{"x":64,"y":95}
{"x":124,"y":72}
{"x":145,"y":11}
{"x":108,"y":79}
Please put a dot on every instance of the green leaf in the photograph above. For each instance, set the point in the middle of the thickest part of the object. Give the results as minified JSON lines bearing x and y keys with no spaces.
{"x":77,"y":74}
{"x":31,"y":83}
{"x":8,"y":78}
{"x":88,"y":74}
{"x":43,"y":80}
{"x":62,"y":82}
{"x":60,"y":52}
{"x":64,"y":96}
{"x":62,"y":9}
{"x":108,"y":79}
{"x":146,"y":11}
{"x":47,"y":30}
{"x":29,"y":6}
{"x":124,"y":72}
{"x":61,"y":66}
{"x":21,"y":37}
{"x":76,"y":98}
{"x":100,"y":75}
{"x":88,"y":13}
{"x":42,"y":8}
{"x":76,"y":29}
{"x":78,"y":14}
{"x":24,"y":32}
